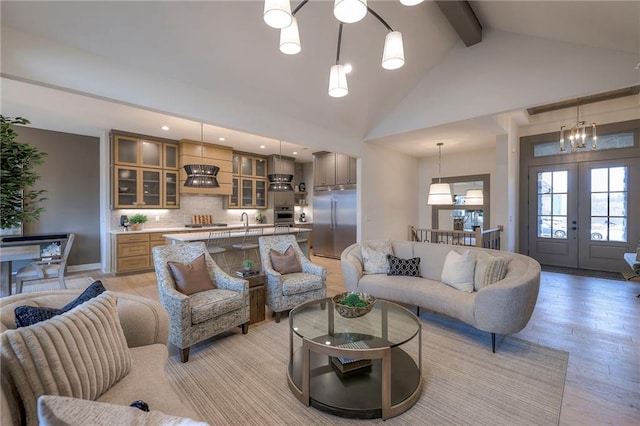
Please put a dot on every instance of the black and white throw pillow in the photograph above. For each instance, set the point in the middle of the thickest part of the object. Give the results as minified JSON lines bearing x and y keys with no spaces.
{"x":408,"y":267}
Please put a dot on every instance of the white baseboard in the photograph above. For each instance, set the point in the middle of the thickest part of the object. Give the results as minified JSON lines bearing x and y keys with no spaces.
{"x":85,"y":267}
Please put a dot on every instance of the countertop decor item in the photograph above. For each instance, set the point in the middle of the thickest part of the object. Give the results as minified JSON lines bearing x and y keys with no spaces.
{"x":353,"y":304}
{"x":137,"y":220}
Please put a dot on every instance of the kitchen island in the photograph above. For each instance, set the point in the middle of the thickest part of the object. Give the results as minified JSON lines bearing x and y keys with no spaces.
{"x":132,"y":250}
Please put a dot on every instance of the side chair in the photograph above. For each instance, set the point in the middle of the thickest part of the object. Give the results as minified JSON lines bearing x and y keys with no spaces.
{"x":285,"y":291}
{"x":199,"y":316}
{"x":46,"y":268}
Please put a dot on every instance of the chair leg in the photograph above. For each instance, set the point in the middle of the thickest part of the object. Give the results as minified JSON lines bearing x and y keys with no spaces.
{"x":63,"y":285}
{"x":245,"y":328}
{"x":19,"y":283}
{"x":184,"y":354}
{"x":278,"y":316}
{"x":493,"y":342}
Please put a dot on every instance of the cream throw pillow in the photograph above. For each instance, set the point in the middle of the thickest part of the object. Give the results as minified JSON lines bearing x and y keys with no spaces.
{"x":374,"y":259}
{"x":80,"y":353}
{"x":64,"y":411}
{"x":489,"y":269}
{"x":458,"y":270}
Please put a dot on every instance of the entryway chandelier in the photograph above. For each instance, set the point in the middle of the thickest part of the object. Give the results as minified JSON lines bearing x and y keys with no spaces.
{"x":578,"y":134}
{"x":278,"y":14}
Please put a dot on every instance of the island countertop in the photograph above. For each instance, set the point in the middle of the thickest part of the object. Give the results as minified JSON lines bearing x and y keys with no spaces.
{"x":236,"y":232}
{"x":184,"y":229}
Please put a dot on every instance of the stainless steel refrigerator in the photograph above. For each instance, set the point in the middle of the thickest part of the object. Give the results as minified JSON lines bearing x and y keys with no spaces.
{"x":334,"y":221}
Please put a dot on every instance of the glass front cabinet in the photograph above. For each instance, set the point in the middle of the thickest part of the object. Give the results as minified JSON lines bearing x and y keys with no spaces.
{"x":145,"y":173}
{"x":249,"y":183}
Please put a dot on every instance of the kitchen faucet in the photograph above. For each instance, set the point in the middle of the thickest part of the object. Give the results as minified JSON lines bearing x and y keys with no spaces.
{"x":245,"y":218}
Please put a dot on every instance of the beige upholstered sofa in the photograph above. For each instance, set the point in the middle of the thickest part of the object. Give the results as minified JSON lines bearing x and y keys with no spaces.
{"x":145,"y":327}
{"x":503,"y":307}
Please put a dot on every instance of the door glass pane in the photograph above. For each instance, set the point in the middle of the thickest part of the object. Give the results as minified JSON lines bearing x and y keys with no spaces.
{"x":552,"y":204}
{"x":609,"y":204}
{"x":127,"y":150}
{"x":171,"y":156}
{"x":261,"y":199}
{"x":127,"y":187}
{"x":171,"y":188}
{"x":247,"y":193}
{"x":151,"y":153}
{"x":151,"y":188}
{"x":234,"y":192}
{"x":261,"y":168}
{"x":246,"y":166}
{"x":236,"y":168}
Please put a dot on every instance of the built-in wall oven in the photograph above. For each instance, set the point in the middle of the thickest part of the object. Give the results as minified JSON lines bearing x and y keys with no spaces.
{"x":283,"y":215}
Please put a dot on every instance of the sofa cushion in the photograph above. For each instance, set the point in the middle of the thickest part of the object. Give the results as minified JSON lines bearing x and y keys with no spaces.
{"x":300,"y":282}
{"x":458,"y":270}
{"x":80,"y":353}
{"x":192,"y":277}
{"x":374,"y":257}
{"x":206,"y":305}
{"x":27,"y":315}
{"x":408,"y":267}
{"x":285,"y":263}
{"x":489,"y":269}
{"x":63,"y":411}
{"x":147,"y":381}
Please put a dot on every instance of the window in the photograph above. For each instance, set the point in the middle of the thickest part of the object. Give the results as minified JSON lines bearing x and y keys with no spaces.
{"x":609,"y":204}
{"x":552,"y":204}
{"x":613,"y":141}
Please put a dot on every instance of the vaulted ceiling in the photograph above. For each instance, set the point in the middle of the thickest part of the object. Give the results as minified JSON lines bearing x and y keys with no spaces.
{"x":217,"y":62}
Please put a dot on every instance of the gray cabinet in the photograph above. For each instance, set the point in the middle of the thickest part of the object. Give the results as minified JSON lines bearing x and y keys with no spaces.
{"x":333,"y":169}
{"x":282,"y":165}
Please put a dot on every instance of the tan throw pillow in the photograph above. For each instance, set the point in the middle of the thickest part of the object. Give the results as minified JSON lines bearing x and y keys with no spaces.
{"x":193,"y":277}
{"x":489,"y":269}
{"x":80,"y":353}
{"x":60,"y":410}
{"x":285,"y":263}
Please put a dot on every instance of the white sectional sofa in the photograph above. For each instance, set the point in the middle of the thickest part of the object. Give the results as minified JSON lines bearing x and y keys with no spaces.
{"x":503,"y":307}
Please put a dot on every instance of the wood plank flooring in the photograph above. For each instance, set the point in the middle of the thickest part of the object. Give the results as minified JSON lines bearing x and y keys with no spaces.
{"x":596,"y":320}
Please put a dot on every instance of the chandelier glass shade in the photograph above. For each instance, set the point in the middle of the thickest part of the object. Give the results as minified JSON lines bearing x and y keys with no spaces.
{"x":350,"y":11}
{"x":439,"y":193}
{"x":577,"y":135}
{"x":278,"y":14}
{"x":201,"y":175}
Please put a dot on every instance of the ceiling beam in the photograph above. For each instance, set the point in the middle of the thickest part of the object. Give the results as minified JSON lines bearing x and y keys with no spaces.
{"x":605,"y":96}
{"x":461,"y":17}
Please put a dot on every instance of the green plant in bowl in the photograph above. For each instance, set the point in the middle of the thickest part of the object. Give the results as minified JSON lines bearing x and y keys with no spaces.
{"x":247,"y":264}
{"x":353,"y":304}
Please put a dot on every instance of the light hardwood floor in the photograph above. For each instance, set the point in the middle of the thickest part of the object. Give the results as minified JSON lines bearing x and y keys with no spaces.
{"x":596,"y":320}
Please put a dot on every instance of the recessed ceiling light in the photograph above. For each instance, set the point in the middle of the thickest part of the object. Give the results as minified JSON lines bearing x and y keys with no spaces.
{"x":165,"y":128}
{"x":348,"y":68}
{"x":262,"y":147}
{"x":295,"y":152}
{"x":221,"y":139}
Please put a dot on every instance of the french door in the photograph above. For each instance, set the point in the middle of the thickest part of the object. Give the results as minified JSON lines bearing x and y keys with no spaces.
{"x":584,"y":215}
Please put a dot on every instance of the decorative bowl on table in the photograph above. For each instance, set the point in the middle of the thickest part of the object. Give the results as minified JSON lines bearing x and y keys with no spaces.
{"x":353,"y":304}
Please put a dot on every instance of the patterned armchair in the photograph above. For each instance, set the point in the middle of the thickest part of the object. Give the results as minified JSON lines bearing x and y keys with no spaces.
{"x":204,"y":314}
{"x":287,"y":291}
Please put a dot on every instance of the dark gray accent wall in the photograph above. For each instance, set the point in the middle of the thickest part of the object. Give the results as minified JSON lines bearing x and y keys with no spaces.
{"x":71,"y":176}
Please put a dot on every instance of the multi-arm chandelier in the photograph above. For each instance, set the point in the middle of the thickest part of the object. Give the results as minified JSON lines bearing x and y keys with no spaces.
{"x":578,"y":134}
{"x":278,"y":14}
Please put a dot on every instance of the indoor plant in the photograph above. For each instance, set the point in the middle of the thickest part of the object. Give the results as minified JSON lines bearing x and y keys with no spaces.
{"x":137,"y":220}
{"x":18,"y":202}
{"x":247,"y":264}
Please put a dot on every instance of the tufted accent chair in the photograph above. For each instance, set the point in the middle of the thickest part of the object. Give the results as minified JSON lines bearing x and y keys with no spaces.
{"x":287,"y":291}
{"x":201,"y":315}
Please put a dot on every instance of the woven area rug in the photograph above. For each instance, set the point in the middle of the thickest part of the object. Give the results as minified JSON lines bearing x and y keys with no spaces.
{"x":241,"y":379}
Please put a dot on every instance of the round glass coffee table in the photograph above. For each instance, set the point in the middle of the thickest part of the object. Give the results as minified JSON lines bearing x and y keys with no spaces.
{"x":355,"y":367}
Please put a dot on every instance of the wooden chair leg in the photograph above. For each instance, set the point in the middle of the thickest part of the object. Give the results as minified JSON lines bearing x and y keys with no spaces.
{"x":184,"y":354}
{"x":245,"y":328}
{"x":278,"y":316}
{"x":63,"y":285}
{"x":19,"y":284}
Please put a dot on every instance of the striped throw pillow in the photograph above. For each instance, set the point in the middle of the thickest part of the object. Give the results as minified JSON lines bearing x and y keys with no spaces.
{"x":489,"y":269}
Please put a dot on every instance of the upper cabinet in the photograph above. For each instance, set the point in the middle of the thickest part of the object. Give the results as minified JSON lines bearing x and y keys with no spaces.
{"x":333,"y":169}
{"x":249,"y":182}
{"x":194,"y":152}
{"x":145,"y":172}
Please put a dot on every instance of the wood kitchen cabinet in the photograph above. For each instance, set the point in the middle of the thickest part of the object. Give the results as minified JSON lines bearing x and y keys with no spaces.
{"x":145,"y":172}
{"x":193,"y":152}
{"x":334,"y":169}
{"x":134,"y":252}
{"x":249,"y":182}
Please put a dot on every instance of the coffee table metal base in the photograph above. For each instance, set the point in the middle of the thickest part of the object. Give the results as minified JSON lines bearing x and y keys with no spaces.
{"x":357,"y":394}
